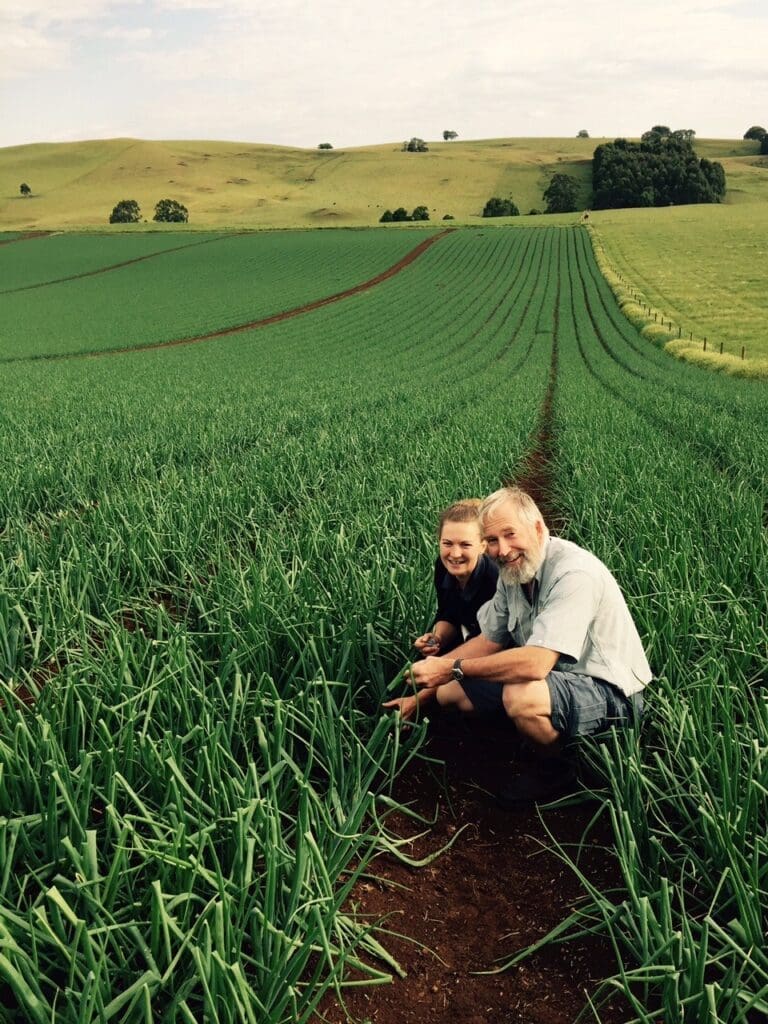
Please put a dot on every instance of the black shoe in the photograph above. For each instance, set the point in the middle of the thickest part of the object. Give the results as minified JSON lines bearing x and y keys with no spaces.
{"x":545,"y":781}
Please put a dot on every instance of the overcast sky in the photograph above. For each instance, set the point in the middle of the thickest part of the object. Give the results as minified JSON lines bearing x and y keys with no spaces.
{"x":301,"y":72}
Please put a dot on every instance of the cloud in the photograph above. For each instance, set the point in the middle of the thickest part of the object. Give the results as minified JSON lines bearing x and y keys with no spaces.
{"x":285,"y":70}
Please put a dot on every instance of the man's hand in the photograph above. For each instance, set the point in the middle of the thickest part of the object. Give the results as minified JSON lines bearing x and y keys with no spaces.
{"x":432,"y":672}
{"x":406,"y":706}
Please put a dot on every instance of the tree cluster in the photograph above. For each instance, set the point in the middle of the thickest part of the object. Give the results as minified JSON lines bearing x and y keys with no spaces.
{"x":561,"y":195}
{"x":168,"y":211}
{"x":449,"y":135}
{"x":415,"y":146}
{"x":496,"y":207}
{"x":325,"y":145}
{"x":660,"y":170}
{"x":756,"y":132}
{"x":401,"y":214}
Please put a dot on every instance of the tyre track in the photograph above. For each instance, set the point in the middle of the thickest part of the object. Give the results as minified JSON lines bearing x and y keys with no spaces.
{"x":116,"y":266}
{"x":28,"y":236}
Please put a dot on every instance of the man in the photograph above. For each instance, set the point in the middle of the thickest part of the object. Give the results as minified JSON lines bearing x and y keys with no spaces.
{"x":558,"y":649}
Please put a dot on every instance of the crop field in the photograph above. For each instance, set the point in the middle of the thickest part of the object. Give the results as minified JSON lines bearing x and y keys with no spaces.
{"x":213,"y":557}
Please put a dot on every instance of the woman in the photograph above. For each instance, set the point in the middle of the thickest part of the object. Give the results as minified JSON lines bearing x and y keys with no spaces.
{"x":465,"y":578}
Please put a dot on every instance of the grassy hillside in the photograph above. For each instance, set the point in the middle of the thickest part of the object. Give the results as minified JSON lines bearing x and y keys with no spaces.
{"x":696,"y":265}
{"x":240,"y":184}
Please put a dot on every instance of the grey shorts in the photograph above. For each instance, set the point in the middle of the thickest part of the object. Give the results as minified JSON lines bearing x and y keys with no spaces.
{"x":581,"y":705}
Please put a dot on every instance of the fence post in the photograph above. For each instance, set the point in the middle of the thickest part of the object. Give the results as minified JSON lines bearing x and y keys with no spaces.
{"x":721,"y":348}
{"x":742,"y":351}
{"x":705,"y":344}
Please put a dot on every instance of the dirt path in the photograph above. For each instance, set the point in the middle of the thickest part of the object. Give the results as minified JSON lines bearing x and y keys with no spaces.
{"x":251,"y":325}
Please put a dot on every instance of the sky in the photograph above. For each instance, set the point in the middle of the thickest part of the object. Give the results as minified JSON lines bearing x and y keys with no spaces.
{"x":302,"y":72}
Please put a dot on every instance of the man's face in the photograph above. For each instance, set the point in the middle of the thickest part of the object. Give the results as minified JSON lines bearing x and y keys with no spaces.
{"x":517,"y":546}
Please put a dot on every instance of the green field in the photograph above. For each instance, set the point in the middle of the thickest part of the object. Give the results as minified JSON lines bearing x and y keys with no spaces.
{"x":702,"y":267}
{"x":214,"y":556}
{"x":698,"y":267}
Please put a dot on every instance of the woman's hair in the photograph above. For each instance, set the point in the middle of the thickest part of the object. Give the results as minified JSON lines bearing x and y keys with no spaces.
{"x":466,"y":511}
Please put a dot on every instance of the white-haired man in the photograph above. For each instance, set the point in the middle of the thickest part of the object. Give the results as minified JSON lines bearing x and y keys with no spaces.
{"x":558,"y":649}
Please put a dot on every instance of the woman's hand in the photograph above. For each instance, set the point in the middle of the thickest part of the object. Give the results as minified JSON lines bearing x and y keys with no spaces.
{"x":427,"y":643}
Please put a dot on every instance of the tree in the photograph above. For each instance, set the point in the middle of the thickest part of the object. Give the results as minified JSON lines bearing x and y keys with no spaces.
{"x":125,"y":212}
{"x":582,"y":134}
{"x":386,"y":217}
{"x":325,"y":145}
{"x":764,"y":145}
{"x":661,"y":170}
{"x":25,"y":189}
{"x":170,"y":211}
{"x":448,"y":135}
{"x":755,"y":132}
{"x":400,"y":214}
{"x":561,"y":194}
{"x":496,"y":207}
{"x":416,"y":146}
{"x":420,"y":213}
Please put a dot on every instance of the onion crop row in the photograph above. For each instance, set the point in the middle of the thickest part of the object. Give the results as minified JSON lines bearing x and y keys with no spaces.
{"x":213,"y":561}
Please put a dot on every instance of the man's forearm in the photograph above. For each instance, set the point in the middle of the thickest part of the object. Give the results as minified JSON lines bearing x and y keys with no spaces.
{"x":514,"y":665}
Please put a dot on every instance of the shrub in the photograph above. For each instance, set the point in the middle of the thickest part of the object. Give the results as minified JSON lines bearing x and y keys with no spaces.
{"x":170,"y":211}
{"x":125,"y":212}
{"x":386,"y":217}
{"x":420,"y":213}
{"x":496,"y":207}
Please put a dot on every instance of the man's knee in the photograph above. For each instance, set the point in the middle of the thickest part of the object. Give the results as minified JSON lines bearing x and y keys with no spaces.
{"x":453,"y":695}
{"x":526,"y":700}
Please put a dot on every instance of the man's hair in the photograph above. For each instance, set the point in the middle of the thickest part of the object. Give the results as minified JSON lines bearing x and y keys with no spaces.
{"x":466,"y":511}
{"x":526,"y":507}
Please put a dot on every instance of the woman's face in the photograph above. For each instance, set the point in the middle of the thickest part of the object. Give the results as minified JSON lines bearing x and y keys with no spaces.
{"x":461,"y":545}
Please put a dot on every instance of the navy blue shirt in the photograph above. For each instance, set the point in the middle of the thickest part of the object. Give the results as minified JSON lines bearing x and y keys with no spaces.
{"x":460,"y":606}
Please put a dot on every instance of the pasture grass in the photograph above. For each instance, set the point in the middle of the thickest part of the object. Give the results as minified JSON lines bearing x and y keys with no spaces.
{"x":700,"y":267}
{"x":237,"y":184}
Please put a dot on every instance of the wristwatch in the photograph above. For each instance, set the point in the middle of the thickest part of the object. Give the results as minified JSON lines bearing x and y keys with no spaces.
{"x":456,"y":672}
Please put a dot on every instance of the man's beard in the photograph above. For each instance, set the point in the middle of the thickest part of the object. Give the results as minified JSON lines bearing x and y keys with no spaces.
{"x":524,"y":570}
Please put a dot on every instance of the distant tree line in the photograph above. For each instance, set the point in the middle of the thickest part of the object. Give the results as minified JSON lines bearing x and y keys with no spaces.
{"x":168,"y":211}
{"x":660,"y":170}
{"x":401,"y":214}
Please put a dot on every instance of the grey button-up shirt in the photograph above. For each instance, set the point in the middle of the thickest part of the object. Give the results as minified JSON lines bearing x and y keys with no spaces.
{"x":577,"y":610}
